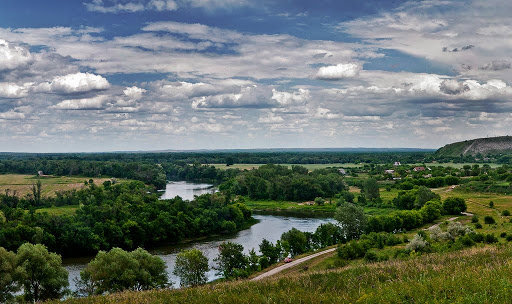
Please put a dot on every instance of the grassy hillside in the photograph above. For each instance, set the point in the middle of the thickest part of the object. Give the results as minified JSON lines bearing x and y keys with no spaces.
{"x":484,"y":146}
{"x":476,"y":275}
{"x":22,"y":183}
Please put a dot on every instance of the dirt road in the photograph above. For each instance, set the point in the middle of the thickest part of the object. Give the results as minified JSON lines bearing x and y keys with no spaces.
{"x":291,"y":264}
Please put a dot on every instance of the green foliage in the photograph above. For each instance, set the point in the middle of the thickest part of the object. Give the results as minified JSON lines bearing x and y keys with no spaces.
{"x":371,"y":190}
{"x":505,"y":213}
{"x":40,"y":273}
{"x":414,"y":199}
{"x":417,"y":244}
{"x":352,"y":220}
{"x":271,"y":253}
{"x":295,"y":241}
{"x":280,"y":183}
{"x":474,"y":219}
{"x":118,"y":270}
{"x":489,"y":220}
{"x":491,"y":204}
{"x":231,"y":261}
{"x":191,"y":267}
{"x":454,"y":205}
{"x":126,"y":215}
{"x":8,"y":275}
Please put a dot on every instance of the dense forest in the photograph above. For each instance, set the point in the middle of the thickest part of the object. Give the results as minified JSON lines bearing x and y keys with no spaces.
{"x":125,"y":215}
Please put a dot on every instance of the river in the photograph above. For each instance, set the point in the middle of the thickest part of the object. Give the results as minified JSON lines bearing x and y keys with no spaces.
{"x":269,"y":227}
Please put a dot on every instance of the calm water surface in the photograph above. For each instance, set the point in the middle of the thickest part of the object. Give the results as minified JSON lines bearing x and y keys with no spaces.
{"x":269,"y":227}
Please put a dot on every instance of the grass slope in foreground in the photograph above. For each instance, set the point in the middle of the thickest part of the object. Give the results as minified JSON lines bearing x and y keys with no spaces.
{"x":475,"y":275}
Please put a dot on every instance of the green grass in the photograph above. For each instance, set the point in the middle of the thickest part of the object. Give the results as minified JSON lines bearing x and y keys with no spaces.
{"x":58,"y":211}
{"x":22,"y":183}
{"x":294,"y":208}
{"x":475,"y":275}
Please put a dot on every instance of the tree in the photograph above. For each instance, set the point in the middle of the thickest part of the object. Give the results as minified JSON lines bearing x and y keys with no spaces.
{"x":351,"y":219}
{"x":231,"y":259}
{"x":191,"y":267}
{"x":295,"y":240}
{"x":454,"y":205}
{"x":269,"y":251}
{"x":8,"y":282}
{"x":36,"y":193}
{"x":371,"y":190}
{"x":41,"y":273}
{"x":119,"y":270}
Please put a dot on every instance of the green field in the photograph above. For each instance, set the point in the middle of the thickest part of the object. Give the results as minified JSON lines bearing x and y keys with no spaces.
{"x":58,"y":211}
{"x":22,"y":183}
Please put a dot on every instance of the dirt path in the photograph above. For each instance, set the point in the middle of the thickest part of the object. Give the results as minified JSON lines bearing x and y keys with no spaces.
{"x":291,"y":264}
{"x":450,"y":220}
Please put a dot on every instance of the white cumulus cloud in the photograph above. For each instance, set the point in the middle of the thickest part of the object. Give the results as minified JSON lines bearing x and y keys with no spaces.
{"x":12,"y":57}
{"x":75,"y":83}
{"x":339,"y":71}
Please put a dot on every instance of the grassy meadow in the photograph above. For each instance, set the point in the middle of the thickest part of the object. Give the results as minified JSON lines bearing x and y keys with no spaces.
{"x":480,"y":274}
{"x":22,"y":183}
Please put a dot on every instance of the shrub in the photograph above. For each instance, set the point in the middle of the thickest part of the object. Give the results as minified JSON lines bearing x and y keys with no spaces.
{"x":503,"y":235}
{"x":417,"y":244}
{"x":437,"y":235}
{"x":489,"y":220}
{"x":491,"y":204}
{"x":490,"y":239}
{"x":509,"y":238}
{"x":477,"y":237}
{"x":478,"y":226}
{"x":353,"y":250}
{"x":466,"y":241}
{"x":505,"y":213}
{"x":474,"y":219}
{"x":371,"y":256}
{"x":456,"y":229}
{"x":454,"y":205}
{"x":319,"y":201}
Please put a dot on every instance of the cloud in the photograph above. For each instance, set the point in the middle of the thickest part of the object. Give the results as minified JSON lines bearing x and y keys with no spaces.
{"x":13,"y":56}
{"x":12,"y":90}
{"x":94,"y":103}
{"x":134,"y":93}
{"x":339,"y":71}
{"x":12,"y":115}
{"x":117,"y":6}
{"x":75,"y":83}
{"x":453,"y":87}
{"x":496,"y":65}
{"x":270,"y":118}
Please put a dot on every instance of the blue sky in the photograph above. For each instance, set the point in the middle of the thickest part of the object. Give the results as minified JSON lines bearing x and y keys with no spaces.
{"x":107,"y":75}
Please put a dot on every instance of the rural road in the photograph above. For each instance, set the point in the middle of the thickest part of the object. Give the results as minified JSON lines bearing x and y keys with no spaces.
{"x":291,"y":264}
{"x":450,"y":220}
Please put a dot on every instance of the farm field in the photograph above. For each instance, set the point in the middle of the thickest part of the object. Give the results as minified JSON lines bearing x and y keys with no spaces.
{"x":22,"y":183}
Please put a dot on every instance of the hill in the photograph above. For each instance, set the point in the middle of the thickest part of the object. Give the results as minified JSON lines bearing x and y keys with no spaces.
{"x":483,"y":146}
{"x":475,"y":275}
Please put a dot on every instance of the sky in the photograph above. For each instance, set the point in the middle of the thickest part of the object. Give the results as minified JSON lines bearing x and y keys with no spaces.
{"x":125,"y":75}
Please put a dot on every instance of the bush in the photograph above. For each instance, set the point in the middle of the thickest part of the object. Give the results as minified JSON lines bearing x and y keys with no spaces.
{"x":491,"y":204}
{"x":477,"y":237}
{"x":474,"y":219}
{"x":489,"y":220}
{"x":478,"y":226}
{"x":490,"y":239}
{"x":466,"y":241}
{"x":505,"y":213}
{"x":456,"y":229}
{"x":509,"y":238}
{"x":417,"y":244}
{"x":454,"y":205}
{"x":353,"y":250}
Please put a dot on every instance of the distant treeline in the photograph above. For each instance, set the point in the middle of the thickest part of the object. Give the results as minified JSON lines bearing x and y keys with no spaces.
{"x":149,"y":173}
{"x":278,"y":157}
